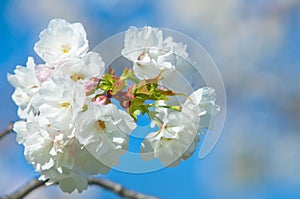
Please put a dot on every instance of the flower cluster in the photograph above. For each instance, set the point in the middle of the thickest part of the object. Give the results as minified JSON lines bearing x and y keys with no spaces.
{"x":77,"y":113}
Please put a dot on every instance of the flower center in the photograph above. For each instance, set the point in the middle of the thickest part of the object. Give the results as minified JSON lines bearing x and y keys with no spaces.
{"x":64,"y":104}
{"x":77,"y":77}
{"x":66,"y":49}
{"x":101,"y":124}
{"x":143,"y":57}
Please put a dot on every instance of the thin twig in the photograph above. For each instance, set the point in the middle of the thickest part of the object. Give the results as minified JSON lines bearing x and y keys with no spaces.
{"x":118,"y":189}
{"x":7,"y":130}
{"x":26,"y":189}
{"x":106,"y":184}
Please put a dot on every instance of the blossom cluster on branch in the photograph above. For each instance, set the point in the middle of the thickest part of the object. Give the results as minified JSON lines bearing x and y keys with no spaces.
{"x":77,"y":113}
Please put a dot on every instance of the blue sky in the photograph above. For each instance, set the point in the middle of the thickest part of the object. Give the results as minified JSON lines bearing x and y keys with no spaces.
{"x":256,"y":47}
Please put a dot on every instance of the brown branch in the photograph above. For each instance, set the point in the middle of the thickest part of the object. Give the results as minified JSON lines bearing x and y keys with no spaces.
{"x":6,"y":131}
{"x":26,"y":189}
{"x":118,"y":189}
{"x":106,"y":184}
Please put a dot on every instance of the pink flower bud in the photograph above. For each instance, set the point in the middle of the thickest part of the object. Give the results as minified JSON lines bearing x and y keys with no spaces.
{"x":102,"y":100}
{"x":91,"y":85}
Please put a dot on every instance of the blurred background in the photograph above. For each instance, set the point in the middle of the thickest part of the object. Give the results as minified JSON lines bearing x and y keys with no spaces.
{"x":256,"y":46}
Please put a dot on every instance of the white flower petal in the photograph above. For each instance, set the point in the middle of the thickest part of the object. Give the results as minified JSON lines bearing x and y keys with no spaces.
{"x":104,"y":130}
{"x":203,"y":104}
{"x":73,"y":182}
{"x":61,"y":40}
{"x":149,"y":53}
{"x":176,"y":140}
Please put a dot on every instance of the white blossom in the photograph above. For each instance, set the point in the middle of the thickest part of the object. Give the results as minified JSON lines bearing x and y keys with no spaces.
{"x":104,"y":131}
{"x":202,"y":102}
{"x":61,"y":40}
{"x":56,"y":154}
{"x":90,"y":65}
{"x":145,"y":49}
{"x":71,"y":128}
{"x":150,"y":53}
{"x":59,"y":100}
{"x":26,"y":86}
{"x":178,"y":135}
{"x":179,"y":49}
{"x":49,"y":138}
{"x":176,"y":139}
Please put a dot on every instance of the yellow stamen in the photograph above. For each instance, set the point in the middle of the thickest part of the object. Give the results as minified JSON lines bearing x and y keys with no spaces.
{"x":166,"y":139}
{"x":101,"y":124}
{"x":66,"y":49}
{"x":77,"y":77}
{"x":64,"y":105}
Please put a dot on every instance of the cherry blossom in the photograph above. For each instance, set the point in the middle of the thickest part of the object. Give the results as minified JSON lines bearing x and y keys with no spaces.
{"x":26,"y":86}
{"x":77,"y":114}
{"x":148,"y":51}
{"x":104,"y":130}
{"x":61,"y":40}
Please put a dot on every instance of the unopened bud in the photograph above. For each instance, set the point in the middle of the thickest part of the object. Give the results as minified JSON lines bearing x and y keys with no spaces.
{"x":91,"y":85}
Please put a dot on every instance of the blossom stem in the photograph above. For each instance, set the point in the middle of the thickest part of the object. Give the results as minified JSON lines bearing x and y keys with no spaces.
{"x":158,"y":121}
{"x":106,"y":184}
{"x":175,"y":108}
{"x":134,"y":79}
{"x":6,"y":131}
